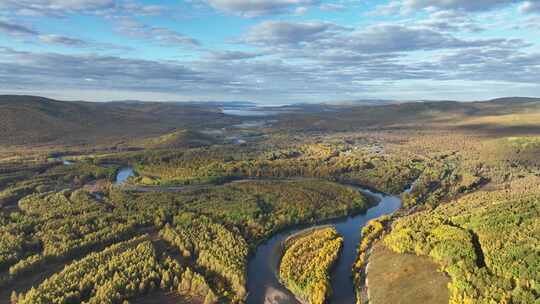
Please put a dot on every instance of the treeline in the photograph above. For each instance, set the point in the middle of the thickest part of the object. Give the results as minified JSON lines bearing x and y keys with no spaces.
{"x":13,"y":177}
{"x":12,"y":172}
{"x":307,"y":261}
{"x":371,"y":232}
{"x":15,"y":240}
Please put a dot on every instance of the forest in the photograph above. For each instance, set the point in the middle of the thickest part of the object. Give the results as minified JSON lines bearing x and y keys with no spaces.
{"x":490,"y":252}
{"x":306,"y":263}
{"x":336,"y":162}
{"x":187,"y":224}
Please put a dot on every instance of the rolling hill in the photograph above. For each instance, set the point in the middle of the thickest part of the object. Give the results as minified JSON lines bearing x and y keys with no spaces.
{"x":400,"y":116}
{"x":37,"y":120}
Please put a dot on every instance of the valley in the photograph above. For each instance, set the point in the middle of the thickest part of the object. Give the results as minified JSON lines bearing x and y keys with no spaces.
{"x":186,"y":203}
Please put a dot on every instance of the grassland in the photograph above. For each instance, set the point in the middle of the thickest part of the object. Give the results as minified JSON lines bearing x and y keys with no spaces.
{"x":404,"y":278}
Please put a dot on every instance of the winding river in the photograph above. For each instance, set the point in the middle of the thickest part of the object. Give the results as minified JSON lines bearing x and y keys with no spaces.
{"x":263,"y":284}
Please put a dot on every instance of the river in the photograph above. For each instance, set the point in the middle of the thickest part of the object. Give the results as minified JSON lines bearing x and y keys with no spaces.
{"x":263,"y":284}
{"x":123,"y":174}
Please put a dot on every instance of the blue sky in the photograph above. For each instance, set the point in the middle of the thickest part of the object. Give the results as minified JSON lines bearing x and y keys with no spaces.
{"x":270,"y":51}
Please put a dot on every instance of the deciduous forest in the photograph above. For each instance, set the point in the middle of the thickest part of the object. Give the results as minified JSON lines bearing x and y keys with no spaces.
{"x":199,"y":200}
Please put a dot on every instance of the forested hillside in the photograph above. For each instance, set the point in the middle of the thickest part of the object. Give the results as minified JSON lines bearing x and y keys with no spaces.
{"x":487,"y":242}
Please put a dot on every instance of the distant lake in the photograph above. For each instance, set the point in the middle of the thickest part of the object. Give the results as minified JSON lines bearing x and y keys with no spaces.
{"x":252,"y":110}
{"x":253,"y":124}
{"x":248,"y":112}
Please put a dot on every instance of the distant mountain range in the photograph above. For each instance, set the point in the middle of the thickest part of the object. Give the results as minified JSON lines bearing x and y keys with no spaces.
{"x":376,"y":102}
{"x":33,"y":119}
{"x":354,"y":102}
{"x":515,"y":99}
{"x":195,"y":103}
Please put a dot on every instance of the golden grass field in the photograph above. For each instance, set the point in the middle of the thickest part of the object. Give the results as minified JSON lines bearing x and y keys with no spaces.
{"x":404,"y":279}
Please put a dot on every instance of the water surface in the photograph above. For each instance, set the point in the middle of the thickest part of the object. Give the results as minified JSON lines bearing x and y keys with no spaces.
{"x":248,"y":112}
{"x":263,"y":284}
{"x":253,"y":124}
{"x":123,"y":175}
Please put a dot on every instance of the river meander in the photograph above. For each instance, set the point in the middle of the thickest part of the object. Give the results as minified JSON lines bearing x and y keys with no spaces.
{"x":263,"y":284}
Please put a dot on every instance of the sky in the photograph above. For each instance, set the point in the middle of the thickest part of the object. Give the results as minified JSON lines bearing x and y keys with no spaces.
{"x":270,"y":51}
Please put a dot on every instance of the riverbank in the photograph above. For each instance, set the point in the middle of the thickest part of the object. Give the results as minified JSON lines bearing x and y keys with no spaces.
{"x":262,"y":279}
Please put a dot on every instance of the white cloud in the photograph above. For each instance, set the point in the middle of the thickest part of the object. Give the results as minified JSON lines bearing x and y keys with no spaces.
{"x":59,"y":39}
{"x":530,"y":7}
{"x":274,"y":57}
{"x":254,"y":8}
{"x":411,"y":6}
{"x":383,"y":38}
{"x":54,"y":7}
{"x":233,"y":55}
{"x":165,"y":36}
{"x":332,"y":7}
{"x":60,"y":8}
{"x":344,"y":69}
{"x":16,"y":29}
{"x":270,"y":33}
